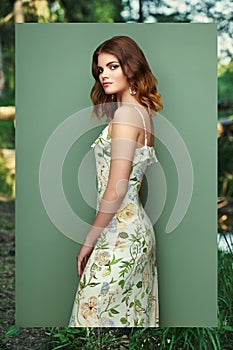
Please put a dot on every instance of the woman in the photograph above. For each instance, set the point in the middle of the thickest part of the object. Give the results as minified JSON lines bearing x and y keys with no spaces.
{"x":118,"y":285}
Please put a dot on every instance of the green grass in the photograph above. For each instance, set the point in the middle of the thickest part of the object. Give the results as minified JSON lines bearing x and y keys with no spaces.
{"x":169,"y":338}
{"x":216,"y":338}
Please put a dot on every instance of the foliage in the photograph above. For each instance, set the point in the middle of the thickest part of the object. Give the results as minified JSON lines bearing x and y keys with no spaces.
{"x":225,"y":167}
{"x":220,"y":337}
{"x":5,"y":187}
{"x":7,"y":37}
{"x":68,"y":10}
{"x":225,"y":97}
{"x":48,"y":11}
{"x":169,"y":338}
{"x":225,"y":288}
{"x":225,"y":142}
{"x":219,"y":12}
{"x":93,"y":11}
{"x":7,"y":134}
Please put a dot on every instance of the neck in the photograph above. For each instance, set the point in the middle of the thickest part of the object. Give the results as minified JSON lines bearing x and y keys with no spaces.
{"x":132,"y":101}
{"x":125,"y":98}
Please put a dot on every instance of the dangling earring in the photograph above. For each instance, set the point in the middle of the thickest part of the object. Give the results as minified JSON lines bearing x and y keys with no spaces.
{"x":112,"y":97}
{"x":132,"y":91}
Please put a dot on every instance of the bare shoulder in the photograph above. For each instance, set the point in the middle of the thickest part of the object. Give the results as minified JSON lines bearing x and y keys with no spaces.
{"x":127,"y":115}
{"x":124,"y":124}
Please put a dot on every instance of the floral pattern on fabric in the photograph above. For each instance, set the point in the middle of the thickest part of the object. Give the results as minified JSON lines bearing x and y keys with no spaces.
{"x":118,"y":287}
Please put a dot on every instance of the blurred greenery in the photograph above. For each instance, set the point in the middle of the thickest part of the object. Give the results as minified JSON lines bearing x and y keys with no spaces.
{"x":225,"y":142}
{"x":134,"y":338}
{"x":7,"y":38}
{"x":105,"y":11}
{"x":5,"y":186}
{"x":112,"y":11}
{"x":225,"y":96}
{"x":7,"y":134}
{"x":225,"y":77}
{"x":225,"y":167}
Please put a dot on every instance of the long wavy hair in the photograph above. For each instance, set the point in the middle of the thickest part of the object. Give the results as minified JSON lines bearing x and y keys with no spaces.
{"x":139,"y":76}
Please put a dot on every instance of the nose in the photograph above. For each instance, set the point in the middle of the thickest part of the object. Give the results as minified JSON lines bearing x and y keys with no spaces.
{"x":105,"y":73}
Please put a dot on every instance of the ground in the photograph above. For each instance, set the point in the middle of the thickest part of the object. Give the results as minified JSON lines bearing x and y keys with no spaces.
{"x":27,"y":338}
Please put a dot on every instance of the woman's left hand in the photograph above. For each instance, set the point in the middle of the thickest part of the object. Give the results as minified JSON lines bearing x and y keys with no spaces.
{"x":85,"y":251}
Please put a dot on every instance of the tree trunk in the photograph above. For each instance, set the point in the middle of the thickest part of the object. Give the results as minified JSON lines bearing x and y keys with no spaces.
{"x":140,"y":19}
{"x":18,"y":11}
{"x":7,"y":113}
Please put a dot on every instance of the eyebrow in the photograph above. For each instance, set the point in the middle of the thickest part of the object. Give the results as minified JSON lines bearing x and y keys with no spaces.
{"x":109,"y":63}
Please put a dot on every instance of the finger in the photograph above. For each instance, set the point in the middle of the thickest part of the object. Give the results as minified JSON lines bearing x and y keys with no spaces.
{"x":79,"y":268}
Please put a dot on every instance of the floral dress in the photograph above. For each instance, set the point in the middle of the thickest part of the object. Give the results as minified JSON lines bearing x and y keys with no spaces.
{"x":118,"y":287}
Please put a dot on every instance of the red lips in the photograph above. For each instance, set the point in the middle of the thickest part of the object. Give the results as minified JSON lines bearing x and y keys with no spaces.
{"x":106,"y":84}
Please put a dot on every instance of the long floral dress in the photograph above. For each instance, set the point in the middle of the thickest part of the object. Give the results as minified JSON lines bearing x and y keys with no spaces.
{"x":118,"y":287}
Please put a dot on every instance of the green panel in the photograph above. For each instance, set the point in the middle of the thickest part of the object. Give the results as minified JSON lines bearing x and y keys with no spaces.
{"x":53,"y":82}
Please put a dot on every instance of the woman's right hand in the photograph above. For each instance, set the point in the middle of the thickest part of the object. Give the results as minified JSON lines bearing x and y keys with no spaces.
{"x":84,"y":252}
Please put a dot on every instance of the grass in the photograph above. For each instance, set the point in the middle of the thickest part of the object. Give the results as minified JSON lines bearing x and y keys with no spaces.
{"x":54,"y":338}
{"x":220,"y":337}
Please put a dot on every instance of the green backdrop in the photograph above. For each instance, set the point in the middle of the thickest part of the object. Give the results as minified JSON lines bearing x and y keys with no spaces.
{"x":53,"y":81}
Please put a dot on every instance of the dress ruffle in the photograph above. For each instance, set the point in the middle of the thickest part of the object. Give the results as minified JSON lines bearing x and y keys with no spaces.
{"x":144,"y":153}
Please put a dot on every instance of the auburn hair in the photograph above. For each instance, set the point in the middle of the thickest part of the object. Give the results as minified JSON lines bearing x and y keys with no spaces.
{"x":135,"y":67}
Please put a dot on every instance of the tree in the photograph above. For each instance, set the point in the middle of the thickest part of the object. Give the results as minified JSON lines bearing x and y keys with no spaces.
{"x":93,"y":11}
{"x":189,"y":11}
{"x":225,"y":98}
{"x":45,"y":11}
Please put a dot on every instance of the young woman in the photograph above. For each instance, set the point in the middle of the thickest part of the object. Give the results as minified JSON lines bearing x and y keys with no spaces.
{"x":118,"y":285}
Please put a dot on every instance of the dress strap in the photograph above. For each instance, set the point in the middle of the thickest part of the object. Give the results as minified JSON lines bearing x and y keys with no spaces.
{"x":144,"y":124}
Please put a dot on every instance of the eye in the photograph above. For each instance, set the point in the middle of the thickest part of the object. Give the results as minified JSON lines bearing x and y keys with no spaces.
{"x":114,"y":66}
{"x":99,"y":70}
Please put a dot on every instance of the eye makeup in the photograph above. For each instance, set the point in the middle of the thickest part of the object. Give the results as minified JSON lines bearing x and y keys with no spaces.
{"x":112,"y":65}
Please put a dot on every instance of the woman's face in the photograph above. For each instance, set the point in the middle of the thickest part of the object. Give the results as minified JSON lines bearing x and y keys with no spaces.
{"x":111,"y":75}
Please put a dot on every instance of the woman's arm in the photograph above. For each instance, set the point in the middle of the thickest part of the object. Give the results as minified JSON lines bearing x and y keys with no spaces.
{"x":124,"y":134}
